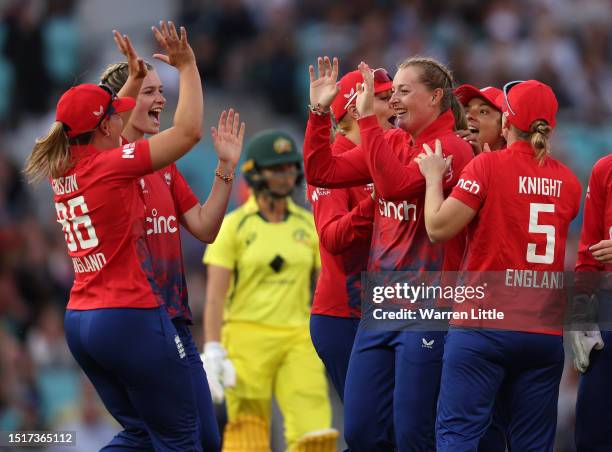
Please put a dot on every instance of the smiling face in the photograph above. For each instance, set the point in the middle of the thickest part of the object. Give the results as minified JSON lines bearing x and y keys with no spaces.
{"x":383,"y":111}
{"x":149,"y":105}
{"x":485,"y":120}
{"x":414,"y":104}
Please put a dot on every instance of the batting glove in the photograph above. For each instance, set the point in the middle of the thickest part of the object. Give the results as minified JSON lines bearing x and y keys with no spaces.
{"x":218,"y":367}
{"x":582,"y":344}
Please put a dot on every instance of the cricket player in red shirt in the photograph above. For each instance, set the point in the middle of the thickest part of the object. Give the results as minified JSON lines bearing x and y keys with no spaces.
{"x":592,"y":348}
{"x":343,"y":218}
{"x":526,"y":212}
{"x":483,"y":111}
{"x":170,"y":202}
{"x":116,"y":323}
{"x":424,"y":103}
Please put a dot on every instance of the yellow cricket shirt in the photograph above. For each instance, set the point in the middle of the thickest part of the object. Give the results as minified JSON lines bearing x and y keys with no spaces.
{"x":272,"y":265}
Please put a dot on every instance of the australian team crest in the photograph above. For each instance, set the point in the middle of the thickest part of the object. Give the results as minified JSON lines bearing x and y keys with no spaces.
{"x":282,"y":145}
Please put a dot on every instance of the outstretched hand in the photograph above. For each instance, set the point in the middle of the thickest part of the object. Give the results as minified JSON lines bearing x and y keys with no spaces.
{"x":136,"y":65}
{"x":432,"y":164}
{"x":178,"y":51}
{"x":365,"y":91}
{"x":228,"y":137}
{"x":323,"y":87}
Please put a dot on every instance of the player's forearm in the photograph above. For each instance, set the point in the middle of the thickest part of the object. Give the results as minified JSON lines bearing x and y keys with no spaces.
{"x":356,"y":226}
{"x":213,"y":319}
{"x":434,"y":197}
{"x":131,"y":88}
{"x":394,"y":180}
{"x":212,"y":212}
{"x":190,"y":108}
{"x":322,"y":168}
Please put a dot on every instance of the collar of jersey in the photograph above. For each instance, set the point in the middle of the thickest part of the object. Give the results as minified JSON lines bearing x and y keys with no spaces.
{"x":443,"y":124}
{"x":250,"y":206}
{"x":523,"y":147}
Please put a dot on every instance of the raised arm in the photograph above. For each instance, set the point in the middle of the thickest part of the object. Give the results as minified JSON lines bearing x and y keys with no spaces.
{"x":171,"y":144}
{"x":322,"y":168}
{"x":444,"y":219}
{"x":137,"y":71}
{"x":204,"y":221}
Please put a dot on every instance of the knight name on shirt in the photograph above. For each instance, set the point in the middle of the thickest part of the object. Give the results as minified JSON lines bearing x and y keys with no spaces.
{"x":89,"y":263}
{"x":65,"y":185}
{"x":540,"y":186}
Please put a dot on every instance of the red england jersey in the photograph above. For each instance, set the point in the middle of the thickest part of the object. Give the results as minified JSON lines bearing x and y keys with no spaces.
{"x":399,"y":239}
{"x":167,"y":196}
{"x":596,"y":226}
{"x":343,"y":218}
{"x":101,"y":212}
{"x":520,"y":230}
{"x":597,"y":223}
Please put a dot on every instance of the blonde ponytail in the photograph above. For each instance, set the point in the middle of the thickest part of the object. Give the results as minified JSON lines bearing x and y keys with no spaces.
{"x":50,"y":156}
{"x":539,"y":138}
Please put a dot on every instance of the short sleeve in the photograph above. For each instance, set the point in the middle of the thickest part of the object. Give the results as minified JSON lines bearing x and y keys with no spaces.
{"x":223,"y":251}
{"x":472,"y":186}
{"x":130,"y":161}
{"x":183,"y":195}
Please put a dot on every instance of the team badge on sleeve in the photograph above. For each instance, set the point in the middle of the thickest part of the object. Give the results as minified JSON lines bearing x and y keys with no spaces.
{"x":128,"y":150}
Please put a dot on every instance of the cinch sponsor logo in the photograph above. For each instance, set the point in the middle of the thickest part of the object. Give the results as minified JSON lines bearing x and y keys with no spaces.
{"x":469,"y":185}
{"x":128,"y":150}
{"x":161,"y":224}
{"x":402,"y":211}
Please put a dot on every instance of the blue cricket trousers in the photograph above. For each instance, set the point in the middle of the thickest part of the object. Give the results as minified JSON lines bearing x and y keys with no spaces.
{"x":594,"y":404}
{"x":209,"y":429}
{"x":519,"y":372}
{"x":392,"y":390}
{"x":333,"y":339}
{"x":139,"y":367}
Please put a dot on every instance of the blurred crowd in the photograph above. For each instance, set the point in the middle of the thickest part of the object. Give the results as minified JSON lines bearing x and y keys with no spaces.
{"x":261,"y":50}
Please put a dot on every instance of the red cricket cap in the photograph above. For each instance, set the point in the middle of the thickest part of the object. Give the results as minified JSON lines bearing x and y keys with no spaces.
{"x":82,"y":107}
{"x":347,"y":93}
{"x":529,"y":101}
{"x":493,"y":96}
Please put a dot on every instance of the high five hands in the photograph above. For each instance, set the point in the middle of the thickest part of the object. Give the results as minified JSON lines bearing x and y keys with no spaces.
{"x":136,"y":65}
{"x":323,"y":85}
{"x":178,"y":50}
{"x":365,"y":91}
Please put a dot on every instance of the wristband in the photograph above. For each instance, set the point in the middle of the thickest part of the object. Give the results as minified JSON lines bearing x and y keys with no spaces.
{"x":227,"y":178}
{"x":318,"y":110}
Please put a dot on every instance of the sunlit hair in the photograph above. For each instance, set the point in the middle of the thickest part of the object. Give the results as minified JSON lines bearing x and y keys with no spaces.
{"x":435,"y":75}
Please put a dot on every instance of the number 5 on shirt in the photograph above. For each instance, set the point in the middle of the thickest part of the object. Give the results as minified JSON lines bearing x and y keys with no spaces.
{"x":535,"y":228}
{"x":66,"y":216}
